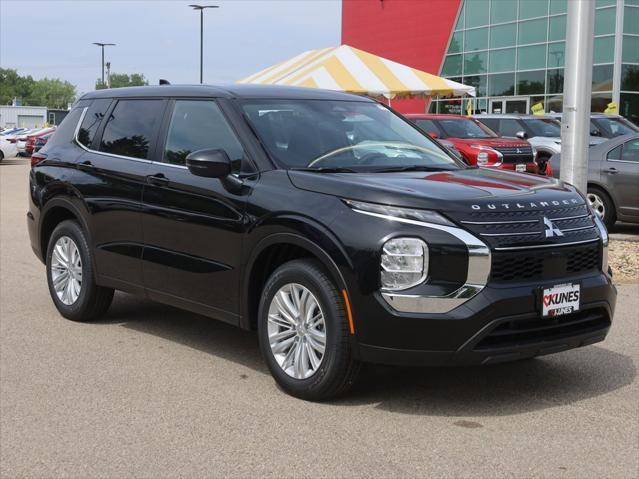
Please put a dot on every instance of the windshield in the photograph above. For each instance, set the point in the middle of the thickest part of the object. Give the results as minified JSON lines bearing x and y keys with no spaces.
{"x":544,"y":127}
{"x":463,"y":128}
{"x":614,"y":127}
{"x":342,"y":135}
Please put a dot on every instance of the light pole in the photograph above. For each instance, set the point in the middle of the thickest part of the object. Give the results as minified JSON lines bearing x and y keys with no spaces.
{"x":201,"y":9}
{"x":102,"y":45}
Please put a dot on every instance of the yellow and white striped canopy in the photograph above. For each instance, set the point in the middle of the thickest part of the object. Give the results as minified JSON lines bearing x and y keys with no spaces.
{"x":352,"y":70}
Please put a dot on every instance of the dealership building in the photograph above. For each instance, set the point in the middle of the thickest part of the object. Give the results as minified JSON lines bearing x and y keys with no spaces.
{"x":511,"y":51}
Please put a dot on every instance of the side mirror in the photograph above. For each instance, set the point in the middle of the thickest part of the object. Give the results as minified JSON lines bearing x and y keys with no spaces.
{"x":209,"y":163}
{"x":432,"y":134}
{"x":522,"y":135}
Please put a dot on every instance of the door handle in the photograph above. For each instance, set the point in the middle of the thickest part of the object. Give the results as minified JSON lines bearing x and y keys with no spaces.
{"x":158,"y":180}
{"x":611,"y":170}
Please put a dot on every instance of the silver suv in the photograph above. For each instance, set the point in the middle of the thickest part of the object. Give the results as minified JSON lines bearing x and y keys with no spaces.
{"x":542,"y":132}
{"x":607,"y":126}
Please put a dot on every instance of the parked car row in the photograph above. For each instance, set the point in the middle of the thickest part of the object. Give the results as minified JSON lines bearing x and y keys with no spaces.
{"x":22,"y":141}
{"x":532,"y":144}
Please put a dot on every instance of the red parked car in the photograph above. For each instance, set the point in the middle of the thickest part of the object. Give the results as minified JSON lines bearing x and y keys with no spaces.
{"x":477,"y":144}
{"x":31,"y":139}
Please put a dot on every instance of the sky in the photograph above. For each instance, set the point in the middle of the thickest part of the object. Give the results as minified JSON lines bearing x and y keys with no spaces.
{"x":160,"y":38}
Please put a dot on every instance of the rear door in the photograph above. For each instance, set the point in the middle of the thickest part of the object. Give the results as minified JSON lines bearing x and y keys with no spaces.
{"x":193,"y":226}
{"x":119,"y":137}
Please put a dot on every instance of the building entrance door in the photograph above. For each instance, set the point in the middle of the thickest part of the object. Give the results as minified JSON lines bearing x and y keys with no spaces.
{"x":519,"y":105}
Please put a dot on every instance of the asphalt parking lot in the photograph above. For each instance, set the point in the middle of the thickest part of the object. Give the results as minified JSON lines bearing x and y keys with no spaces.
{"x":151,"y":391}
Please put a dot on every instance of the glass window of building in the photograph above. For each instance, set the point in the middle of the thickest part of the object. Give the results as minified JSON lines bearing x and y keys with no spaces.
{"x":629,"y":106}
{"x":630,"y":77}
{"x":476,"y":39}
{"x":631,"y":20}
{"x":557,"y":28}
{"x":600,"y":101}
{"x":630,"y":50}
{"x":532,"y":31}
{"x":503,"y":11}
{"x":604,"y":50}
{"x":502,"y":60}
{"x":501,"y":85}
{"x":456,"y":44}
{"x":605,"y":21}
{"x":532,"y":8}
{"x":602,"y":78}
{"x":555,"y":80}
{"x":529,"y":83}
{"x":503,"y":35}
{"x":452,"y":65}
{"x":531,"y":57}
{"x":604,"y":3}
{"x":476,"y":13}
{"x":478,"y":81}
{"x":558,"y":6}
{"x":556,"y":54}
{"x":475,"y":63}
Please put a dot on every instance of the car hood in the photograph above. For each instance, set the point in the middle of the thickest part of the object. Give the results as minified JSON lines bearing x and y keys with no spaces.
{"x":458,"y":190}
{"x":492,"y":142}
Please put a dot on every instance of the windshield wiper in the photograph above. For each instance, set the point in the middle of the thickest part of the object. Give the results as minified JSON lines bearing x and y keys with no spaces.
{"x":392,"y":169}
{"x":337,"y":169}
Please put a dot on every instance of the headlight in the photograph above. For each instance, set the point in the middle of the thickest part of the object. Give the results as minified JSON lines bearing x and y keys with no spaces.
{"x":404,"y":263}
{"x":483,"y":155}
{"x":482,"y":158}
{"x":374,"y":209}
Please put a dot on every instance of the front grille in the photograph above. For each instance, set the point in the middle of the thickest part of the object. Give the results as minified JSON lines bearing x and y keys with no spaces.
{"x":521,"y":154}
{"x":523,"y":228}
{"x":516,"y":333}
{"x":540,"y":264}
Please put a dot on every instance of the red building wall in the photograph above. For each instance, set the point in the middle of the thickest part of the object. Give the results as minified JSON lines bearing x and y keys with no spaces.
{"x":412,"y":32}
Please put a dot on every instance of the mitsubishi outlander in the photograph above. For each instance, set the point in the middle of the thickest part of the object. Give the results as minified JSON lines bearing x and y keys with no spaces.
{"x":326,"y":222}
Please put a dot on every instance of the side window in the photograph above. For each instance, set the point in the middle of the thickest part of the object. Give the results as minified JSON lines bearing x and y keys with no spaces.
{"x":491,"y":123}
{"x":64,"y":133}
{"x":594,"y":131}
{"x":92,"y":119}
{"x":428,"y":126}
{"x":631,"y":151}
{"x":132,"y":127}
{"x":198,"y":125}
{"x":615,"y":153}
{"x":509,"y":127}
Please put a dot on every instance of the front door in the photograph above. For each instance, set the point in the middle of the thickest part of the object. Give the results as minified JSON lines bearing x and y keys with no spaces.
{"x":519,"y":105}
{"x":193,"y":226}
{"x":620,"y":172}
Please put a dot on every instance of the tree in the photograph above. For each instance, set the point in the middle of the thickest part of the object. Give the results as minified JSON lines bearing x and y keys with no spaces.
{"x":49,"y":92}
{"x":119,"y":80}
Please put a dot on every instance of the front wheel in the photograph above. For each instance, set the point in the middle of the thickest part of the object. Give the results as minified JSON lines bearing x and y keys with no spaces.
{"x":304,"y":333}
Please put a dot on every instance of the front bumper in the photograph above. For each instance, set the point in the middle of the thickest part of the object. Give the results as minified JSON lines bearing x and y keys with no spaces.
{"x":499,"y":324}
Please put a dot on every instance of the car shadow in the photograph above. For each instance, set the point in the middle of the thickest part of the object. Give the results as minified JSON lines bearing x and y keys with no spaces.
{"x":625,"y":228}
{"x":14,"y":161}
{"x":499,"y":390}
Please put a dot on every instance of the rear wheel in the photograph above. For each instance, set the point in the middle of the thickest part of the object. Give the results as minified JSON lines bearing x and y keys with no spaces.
{"x":70,"y":275}
{"x":601,"y":203}
{"x":303,"y":332}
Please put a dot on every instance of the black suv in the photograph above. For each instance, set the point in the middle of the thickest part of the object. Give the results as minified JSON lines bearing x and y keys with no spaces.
{"x":325,"y":221}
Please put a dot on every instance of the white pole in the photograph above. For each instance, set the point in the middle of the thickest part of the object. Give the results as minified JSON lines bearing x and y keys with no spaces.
{"x":575,"y":125}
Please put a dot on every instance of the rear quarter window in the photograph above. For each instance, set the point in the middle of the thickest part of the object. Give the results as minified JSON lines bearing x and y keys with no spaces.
{"x":64,"y":133}
{"x":92,"y":119}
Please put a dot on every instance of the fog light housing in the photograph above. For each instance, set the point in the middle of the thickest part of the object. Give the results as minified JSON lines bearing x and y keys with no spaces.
{"x":404,"y":263}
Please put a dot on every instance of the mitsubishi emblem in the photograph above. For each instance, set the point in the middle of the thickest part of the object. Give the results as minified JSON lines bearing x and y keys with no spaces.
{"x":518,"y":150}
{"x":551,"y":229}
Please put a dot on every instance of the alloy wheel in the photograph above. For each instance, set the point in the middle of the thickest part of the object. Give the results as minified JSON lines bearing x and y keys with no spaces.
{"x":66,"y":270}
{"x":296,"y":331}
{"x":597,"y":204}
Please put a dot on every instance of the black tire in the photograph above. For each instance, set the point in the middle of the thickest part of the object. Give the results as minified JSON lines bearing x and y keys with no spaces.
{"x":610,"y":215}
{"x":93,"y":300}
{"x":337,"y":370}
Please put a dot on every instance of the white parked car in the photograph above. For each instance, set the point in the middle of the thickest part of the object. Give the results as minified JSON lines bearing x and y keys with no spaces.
{"x":8,"y":146}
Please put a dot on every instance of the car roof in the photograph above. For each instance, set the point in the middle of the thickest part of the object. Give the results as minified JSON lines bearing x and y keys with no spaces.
{"x":523,"y":116}
{"x":225,"y":91}
{"x":436,"y":116}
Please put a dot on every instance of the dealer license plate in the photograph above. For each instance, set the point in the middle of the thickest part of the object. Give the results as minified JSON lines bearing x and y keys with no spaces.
{"x":559,"y":300}
{"x":520,"y":168}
